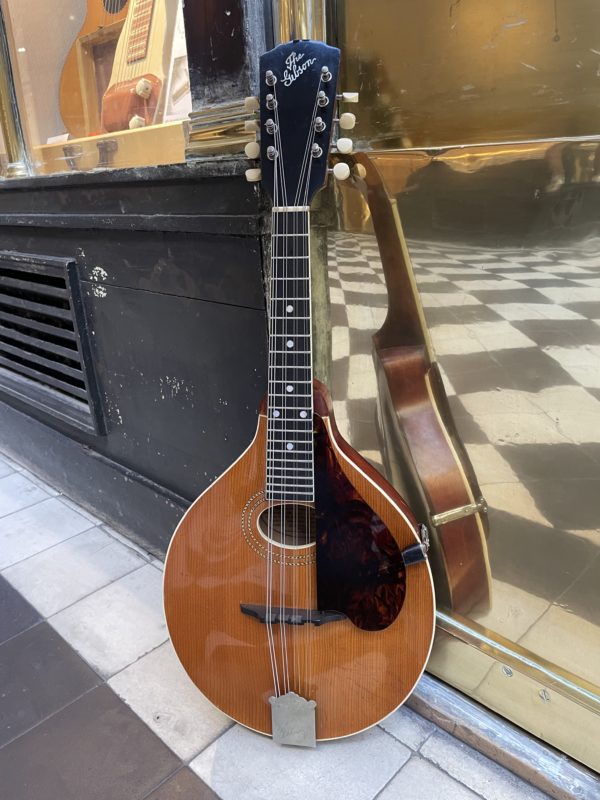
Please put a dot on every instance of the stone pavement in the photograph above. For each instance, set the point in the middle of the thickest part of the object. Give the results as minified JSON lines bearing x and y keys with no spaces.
{"x":95,"y":706}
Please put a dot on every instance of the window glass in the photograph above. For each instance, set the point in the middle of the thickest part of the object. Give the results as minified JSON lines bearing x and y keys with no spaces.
{"x":101,"y":83}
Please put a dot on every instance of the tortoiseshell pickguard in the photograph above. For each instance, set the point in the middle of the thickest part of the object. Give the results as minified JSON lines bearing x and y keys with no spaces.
{"x":360,"y":570}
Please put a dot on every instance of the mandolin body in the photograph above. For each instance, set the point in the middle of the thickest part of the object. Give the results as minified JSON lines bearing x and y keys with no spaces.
{"x":358,"y":668}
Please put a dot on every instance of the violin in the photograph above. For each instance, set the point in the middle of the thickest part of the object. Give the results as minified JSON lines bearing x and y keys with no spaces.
{"x":297,"y":590}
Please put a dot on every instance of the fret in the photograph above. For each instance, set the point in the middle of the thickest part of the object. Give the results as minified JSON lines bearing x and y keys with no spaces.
{"x":294,"y":469}
{"x":294,"y":319}
{"x":307,"y":490}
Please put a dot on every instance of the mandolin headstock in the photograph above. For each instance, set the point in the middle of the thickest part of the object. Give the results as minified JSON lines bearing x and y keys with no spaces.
{"x":297,"y":105}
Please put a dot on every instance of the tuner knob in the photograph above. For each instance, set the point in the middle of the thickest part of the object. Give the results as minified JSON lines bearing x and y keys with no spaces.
{"x":143,"y":88}
{"x":137,"y":122}
{"x":341,"y":171}
{"x":347,"y":121}
{"x":252,"y":150}
{"x":250,"y":126}
{"x":348,"y":97}
{"x":344,"y":146}
{"x":253,"y":175}
{"x":251,"y":104}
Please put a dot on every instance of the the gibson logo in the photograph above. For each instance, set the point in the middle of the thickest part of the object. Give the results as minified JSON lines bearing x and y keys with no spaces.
{"x":295,"y":67}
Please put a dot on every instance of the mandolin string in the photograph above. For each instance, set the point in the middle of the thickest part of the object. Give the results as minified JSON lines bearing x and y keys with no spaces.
{"x":270,"y":438}
{"x":312,"y":133}
{"x":281,"y":200}
{"x":278,"y":189}
{"x":303,"y":186}
{"x":299,"y":293}
{"x":284,"y":433}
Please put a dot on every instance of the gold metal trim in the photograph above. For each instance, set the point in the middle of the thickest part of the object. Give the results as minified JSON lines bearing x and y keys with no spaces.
{"x":298,"y":19}
{"x":511,"y":654}
{"x":18,"y":162}
{"x":444,"y":517}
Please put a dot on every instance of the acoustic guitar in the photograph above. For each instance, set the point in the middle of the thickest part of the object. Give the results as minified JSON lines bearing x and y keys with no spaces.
{"x":422,"y":450}
{"x":102,"y":17}
{"x":136,"y":95}
{"x":297,"y":590}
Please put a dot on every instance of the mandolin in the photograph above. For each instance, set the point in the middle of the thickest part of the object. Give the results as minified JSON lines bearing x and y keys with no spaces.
{"x":101,"y":25}
{"x":297,"y":590}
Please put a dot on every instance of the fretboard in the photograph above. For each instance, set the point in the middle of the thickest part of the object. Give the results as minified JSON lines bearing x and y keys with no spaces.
{"x":290,"y":451}
{"x":139,"y":30}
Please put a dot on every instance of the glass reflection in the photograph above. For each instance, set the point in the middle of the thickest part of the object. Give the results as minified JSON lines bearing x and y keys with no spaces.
{"x":511,"y":302}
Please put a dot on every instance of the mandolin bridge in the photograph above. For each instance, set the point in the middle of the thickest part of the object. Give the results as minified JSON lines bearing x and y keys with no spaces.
{"x":291,"y":616}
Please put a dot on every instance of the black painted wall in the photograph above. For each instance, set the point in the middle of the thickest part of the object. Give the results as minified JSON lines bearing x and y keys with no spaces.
{"x":170,"y":268}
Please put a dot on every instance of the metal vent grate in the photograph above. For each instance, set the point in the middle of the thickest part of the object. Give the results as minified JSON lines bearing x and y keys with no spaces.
{"x":39,"y":336}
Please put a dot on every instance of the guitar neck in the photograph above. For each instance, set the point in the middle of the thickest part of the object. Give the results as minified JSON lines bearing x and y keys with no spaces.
{"x":290,"y":446}
{"x":139,"y":30}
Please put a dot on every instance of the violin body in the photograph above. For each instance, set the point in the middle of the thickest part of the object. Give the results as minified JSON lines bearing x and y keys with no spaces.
{"x":359,"y":666}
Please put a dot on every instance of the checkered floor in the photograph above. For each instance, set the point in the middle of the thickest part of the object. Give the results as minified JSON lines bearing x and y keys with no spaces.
{"x":517,"y":335}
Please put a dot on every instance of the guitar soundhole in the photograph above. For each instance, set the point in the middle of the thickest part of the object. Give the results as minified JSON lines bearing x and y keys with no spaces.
{"x":114,"y":6}
{"x":289,"y":524}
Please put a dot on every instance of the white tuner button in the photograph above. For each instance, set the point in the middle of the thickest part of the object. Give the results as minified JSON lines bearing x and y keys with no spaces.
{"x":253,"y":175}
{"x":341,"y":171}
{"x":344,"y":145}
{"x":350,"y":97}
{"x":251,"y":104}
{"x":137,"y":122}
{"x":251,"y":126}
{"x":252,"y":150}
{"x":347,"y":121}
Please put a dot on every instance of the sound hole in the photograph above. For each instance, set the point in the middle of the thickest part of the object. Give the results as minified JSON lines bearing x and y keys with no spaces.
{"x":289,"y":524}
{"x":114,"y":6}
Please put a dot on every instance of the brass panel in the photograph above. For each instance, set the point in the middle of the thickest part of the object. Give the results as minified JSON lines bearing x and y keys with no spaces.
{"x":467,"y":71}
{"x":504,"y":246}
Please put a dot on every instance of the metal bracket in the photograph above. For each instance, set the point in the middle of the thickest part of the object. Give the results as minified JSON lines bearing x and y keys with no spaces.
{"x":444,"y":517}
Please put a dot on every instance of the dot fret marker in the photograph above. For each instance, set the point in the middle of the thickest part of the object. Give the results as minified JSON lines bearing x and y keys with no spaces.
{"x":289,"y":388}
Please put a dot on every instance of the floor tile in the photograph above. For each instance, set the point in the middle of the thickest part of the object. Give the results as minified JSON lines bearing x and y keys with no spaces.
{"x":244,"y":764}
{"x":17,"y":491}
{"x":157,"y":688}
{"x":33,"y":529}
{"x":39,"y":674}
{"x":16,"y":615}
{"x":94,"y":749}
{"x":474,"y":770}
{"x":420,"y":780}
{"x":118,"y":624}
{"x":409,"y":728}
{"x":65,"y":573}
{"x":184,"y":785}
{"x":5,"y":468}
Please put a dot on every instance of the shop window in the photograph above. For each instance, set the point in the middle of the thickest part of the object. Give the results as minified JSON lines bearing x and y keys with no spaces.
{"x":100,"y":83}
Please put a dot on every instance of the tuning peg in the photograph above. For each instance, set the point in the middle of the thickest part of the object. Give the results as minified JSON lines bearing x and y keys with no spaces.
{"x":253,"y":175}
{"x":348,"y":97}
{"x":347,"y":121}
{"x":251,"y":126}
{"x":251,"y":104}
{"x":341,"y":171}
{"x":344,"y":145}
{"x":252,"y":150}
